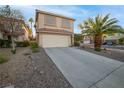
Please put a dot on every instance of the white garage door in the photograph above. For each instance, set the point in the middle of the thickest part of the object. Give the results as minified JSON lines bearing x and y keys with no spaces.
{"x":55,"y":40}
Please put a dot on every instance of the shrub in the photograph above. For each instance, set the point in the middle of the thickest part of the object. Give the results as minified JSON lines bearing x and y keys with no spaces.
{"x":77,"y":39}
{"x":98,"y":49}
{"x":3,"y":58}
{"x":121,"y":41}
{"x":34,"y":47}
{"x":77,"y":43}
{"x":22,"y":43}
{"x":5,"y":43}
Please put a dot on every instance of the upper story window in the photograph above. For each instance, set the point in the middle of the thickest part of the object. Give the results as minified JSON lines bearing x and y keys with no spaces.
{"x":50,"y":20}
{"x":66,"y":23}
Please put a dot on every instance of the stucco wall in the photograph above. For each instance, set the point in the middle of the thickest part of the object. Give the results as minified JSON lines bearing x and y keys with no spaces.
{"x":40,"y":23}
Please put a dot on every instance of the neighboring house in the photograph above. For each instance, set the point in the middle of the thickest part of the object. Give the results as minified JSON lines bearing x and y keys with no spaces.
{"x":113,"y":38}
{"x":53,"y":30}
{"x":20,"y":30}
{"x":26,"y":30}
{"x":87,"y":39}
{"x":106,"y":38}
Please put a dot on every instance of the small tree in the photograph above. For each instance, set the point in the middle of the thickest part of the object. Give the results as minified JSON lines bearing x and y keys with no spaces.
{"x":99,"y":26}
{"x":8,"y":13}
{"x":77,"y":39}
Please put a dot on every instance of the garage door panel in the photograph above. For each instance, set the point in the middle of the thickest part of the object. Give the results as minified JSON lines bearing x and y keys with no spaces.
{"x":55,"y":40}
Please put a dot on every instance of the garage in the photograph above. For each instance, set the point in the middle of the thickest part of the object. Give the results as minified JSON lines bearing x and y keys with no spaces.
{"x":54,"y":40}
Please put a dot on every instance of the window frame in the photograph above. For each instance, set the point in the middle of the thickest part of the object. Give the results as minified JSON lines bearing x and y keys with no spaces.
{"x":63,"y":22}
{"x":46,"y":18}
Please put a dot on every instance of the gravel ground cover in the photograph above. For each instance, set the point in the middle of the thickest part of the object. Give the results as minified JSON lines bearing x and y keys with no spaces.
{"x":117,"y":55}
{"x":27,"y":70}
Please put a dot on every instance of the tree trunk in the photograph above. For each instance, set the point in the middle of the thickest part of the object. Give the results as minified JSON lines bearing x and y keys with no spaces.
{"x":97,"y":42}
{"x":13,"y":43}
{"x":12,"y":37}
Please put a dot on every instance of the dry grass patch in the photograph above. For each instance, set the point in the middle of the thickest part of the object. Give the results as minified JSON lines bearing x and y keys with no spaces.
{"x":3,"y":58}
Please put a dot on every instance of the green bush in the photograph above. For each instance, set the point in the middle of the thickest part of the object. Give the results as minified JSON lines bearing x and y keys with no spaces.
{"x":77,"y":39}
{"x":22,"y":43}
{"x":3,"y":58}
{"x":77,"y":43}
{"x":5,"y":43}
{"x":121,"y":41}
{"x":34,"y":47}
{"x":98,"y":49}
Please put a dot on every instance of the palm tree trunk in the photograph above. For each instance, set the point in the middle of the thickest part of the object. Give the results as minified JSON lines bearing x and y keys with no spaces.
{"x":97,"y":42}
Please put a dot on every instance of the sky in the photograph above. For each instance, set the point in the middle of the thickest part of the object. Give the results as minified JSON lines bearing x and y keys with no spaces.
{"x":79,"y":13}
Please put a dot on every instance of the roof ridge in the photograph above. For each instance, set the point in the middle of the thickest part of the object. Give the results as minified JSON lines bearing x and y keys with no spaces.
{"x":54,"y":14}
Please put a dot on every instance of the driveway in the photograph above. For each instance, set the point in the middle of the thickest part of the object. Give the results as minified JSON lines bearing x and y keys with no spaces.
{"x":84,"y":69}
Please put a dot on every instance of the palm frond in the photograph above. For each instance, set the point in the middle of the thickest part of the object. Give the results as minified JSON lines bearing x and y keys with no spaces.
{"x":101,"y":25}
{"x":105,"y":18}
{"x":109,"y":23}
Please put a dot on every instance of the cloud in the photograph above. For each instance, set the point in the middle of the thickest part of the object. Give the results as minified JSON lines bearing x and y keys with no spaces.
{"x":80,"y":13}
{"x":70,"y":11}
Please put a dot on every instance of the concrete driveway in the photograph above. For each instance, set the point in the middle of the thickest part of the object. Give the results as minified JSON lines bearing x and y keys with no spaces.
{"x":83,"y":69}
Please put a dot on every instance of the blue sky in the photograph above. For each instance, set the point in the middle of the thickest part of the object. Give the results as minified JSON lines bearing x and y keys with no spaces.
{"x":80,"y":13}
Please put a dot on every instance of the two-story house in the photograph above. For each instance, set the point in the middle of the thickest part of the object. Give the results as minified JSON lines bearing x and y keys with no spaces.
{"x":53,"y":30}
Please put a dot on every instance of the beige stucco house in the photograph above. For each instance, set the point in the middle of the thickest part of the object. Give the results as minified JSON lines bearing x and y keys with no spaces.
{"x":53,"y":30}
{"x":20,"y":32}
{"x":87,"y":39}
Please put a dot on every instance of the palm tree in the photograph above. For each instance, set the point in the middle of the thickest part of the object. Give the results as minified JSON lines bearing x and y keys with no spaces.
{"x":99,"y":26}
{"x":30,"y":31}
{"x":31,"y":21}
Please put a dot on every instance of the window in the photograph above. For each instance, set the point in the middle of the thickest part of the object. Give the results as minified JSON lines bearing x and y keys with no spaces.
{"x":66,"y":23}
{"x":50,"y":20}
